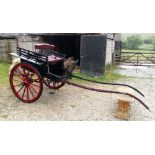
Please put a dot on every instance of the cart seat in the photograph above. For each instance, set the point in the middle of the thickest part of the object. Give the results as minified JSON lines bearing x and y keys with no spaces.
{"x":44,"y":46}
{"x":54,"y":59}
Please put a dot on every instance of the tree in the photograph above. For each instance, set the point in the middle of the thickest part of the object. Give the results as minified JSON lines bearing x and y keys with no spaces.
{"x":152,"y":38}
{"x":133,"y":42}
{"x":124,"y":44}
{"x":153,"y":42}
{"x":148,"y":41}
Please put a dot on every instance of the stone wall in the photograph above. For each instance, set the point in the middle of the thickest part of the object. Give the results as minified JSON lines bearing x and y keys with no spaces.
{"x":7,"y":46}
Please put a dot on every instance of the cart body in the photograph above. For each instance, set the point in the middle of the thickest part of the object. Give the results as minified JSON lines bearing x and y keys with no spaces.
{"x":37,"y":67}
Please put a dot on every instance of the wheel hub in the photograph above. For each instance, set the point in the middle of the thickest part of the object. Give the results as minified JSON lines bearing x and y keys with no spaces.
{"x":27,"y":81}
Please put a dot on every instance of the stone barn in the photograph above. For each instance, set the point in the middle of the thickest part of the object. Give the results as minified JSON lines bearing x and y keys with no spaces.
{"x":93,"y":50}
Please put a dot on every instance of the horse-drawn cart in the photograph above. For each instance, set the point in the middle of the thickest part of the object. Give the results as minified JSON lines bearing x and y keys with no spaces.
{"x":51,"y":68}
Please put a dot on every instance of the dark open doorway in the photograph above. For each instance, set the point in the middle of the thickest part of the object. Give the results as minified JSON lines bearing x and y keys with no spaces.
{"x":69,"y":44}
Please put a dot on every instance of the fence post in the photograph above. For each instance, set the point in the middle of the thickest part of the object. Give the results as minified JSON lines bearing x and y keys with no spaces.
{"x":113,"y":59}
{"x":138,"y":59}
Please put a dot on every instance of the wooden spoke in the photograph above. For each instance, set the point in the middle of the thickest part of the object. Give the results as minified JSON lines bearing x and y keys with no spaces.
{"x":53,"y":84}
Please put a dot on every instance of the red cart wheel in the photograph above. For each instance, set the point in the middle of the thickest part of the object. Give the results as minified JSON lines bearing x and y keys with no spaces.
{"x":53,"y":84}
{"x":26,"y":83}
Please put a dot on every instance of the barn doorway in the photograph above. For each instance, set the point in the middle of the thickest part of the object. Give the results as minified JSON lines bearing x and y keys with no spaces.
{"x":88,"y":48}
{"x":68,"y":44}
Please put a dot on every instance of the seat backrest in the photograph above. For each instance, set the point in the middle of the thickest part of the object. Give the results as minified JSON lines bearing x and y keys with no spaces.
{"x":44,"y":46}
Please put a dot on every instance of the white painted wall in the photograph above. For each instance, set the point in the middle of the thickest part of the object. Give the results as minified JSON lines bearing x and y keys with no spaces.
{"x":28,"y":42}
{"x":109,"y":50}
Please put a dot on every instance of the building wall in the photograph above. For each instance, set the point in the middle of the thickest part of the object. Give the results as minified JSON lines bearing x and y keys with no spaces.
{"x":28,"y":42}
{"x":109,"y":50}
{"x":7,"y":46}
{"x":117,"y":37}
{"x":118,"y":42}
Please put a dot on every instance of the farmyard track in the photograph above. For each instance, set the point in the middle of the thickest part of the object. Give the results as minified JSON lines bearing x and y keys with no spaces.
{"x":71,"y":103}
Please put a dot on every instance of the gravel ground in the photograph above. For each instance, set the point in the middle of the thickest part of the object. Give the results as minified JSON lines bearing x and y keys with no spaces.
{"x":71,"y":103}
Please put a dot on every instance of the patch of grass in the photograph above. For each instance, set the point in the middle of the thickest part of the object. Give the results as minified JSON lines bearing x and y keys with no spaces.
{"x":4,"y":69}
{"x":139,"y":50}
{"x":109,"y":76}
{"x":146,"y":47}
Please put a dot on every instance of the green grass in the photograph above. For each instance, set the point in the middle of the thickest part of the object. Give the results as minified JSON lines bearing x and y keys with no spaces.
{"x":109,"y":75}
{"x":146,"y":47}
{"x":4,"y":69}
{"x":140,"y":50}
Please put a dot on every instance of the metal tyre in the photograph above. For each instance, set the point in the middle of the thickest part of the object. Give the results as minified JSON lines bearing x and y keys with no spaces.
{"x":26,"y":82}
